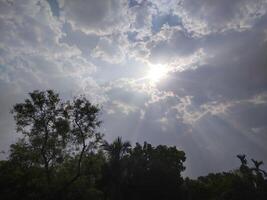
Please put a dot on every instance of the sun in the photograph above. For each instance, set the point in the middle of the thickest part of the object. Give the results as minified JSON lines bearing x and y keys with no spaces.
{"x":156,"y":73}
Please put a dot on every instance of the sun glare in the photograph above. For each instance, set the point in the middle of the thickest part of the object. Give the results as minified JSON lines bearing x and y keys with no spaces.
{"x":156,"y":73}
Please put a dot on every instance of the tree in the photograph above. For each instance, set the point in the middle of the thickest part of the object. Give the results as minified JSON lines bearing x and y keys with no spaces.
{"x":117,"y":149}
{"x":154,"y":172}
{"x":62,"y":156}
{"x":55,"y":131}
{"x":83,"y":120}
{"x":243,"y":183}
{"x":116,"y":152}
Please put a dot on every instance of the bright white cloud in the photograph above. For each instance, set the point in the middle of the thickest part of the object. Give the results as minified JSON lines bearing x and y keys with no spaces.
{"x":189,"y":113}
{"x":31,"y":47}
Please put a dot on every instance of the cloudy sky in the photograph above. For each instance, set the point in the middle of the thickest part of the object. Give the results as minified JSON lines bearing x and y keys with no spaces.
{"x":190,"y":73}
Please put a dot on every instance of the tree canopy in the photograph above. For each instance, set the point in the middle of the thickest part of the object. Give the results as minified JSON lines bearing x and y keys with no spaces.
{"x":61,"y":155}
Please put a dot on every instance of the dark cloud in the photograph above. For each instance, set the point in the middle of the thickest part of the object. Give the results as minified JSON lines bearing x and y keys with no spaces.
{"x":205,"y":16}
{"x":85,"y":42}
{"x":175,"y":43}
{"x":102,"y":16}
{"x":236,"y":69}
{"x":159,"y":20}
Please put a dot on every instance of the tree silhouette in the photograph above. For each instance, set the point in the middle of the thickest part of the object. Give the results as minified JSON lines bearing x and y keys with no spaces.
{"x":115,"y":170}
{"x":45,"y":127}
{"x":154,"y":172}
{"x":62,"y":156}
{"x":54,"y":131}
{"x":117,"y":149}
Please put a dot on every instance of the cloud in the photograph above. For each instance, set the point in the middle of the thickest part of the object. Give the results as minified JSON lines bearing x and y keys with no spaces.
{"x":259,"y":99}
{"x":110,"y":49}
{"x":33,"y":57}
{"x":142,"y":15}
{"x":31,"y":47}
{"x":171,"y":43}
{"x":190,"y":114}
{"x":100,"y":17}
{"x":84,"y":42}
{"x":121,"y":107}
{"x":205,"y":17}
{"x":233,"y":69}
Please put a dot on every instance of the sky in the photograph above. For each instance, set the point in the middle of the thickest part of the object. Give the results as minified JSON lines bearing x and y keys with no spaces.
{"x":189,"y":73}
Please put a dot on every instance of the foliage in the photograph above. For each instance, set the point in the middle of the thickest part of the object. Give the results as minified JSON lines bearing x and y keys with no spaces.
{"x":55,"y":133}
{"x":154,"y":172}
{"x":243,"y":183}
{"x":62,"y":156}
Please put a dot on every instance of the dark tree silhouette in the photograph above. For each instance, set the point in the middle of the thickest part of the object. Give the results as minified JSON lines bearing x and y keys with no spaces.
{"x":54,"y":131}
{"x":154,"y":172}
{"x":62,"y":156}
{"x":115,"y":169}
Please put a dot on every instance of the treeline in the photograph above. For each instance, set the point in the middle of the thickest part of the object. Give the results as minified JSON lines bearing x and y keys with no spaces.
{"x":61,"y":155}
